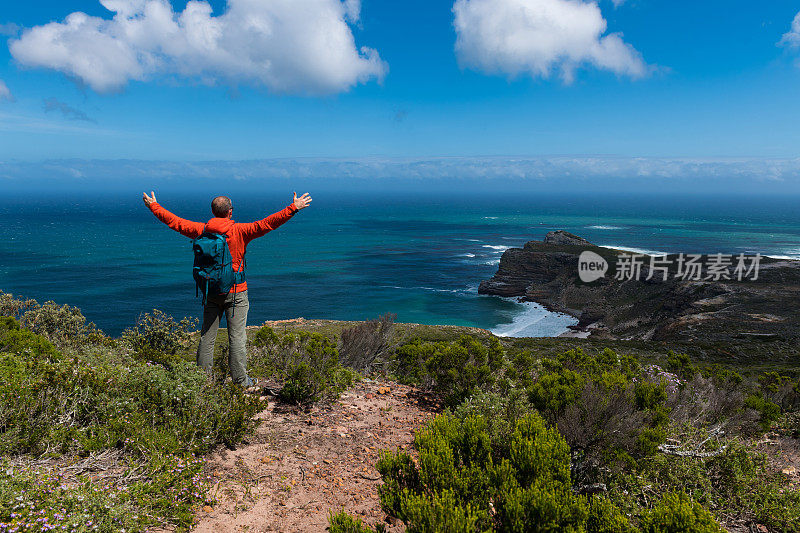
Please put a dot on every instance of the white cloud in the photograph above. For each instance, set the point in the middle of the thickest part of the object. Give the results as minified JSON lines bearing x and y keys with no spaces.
{"x":613,"y":173}
{"x":5,"y":93}
{"x":538,"y":37}
{"x":791,"y":38}
{"x":353,"y":9}
{"x":288,"y":46}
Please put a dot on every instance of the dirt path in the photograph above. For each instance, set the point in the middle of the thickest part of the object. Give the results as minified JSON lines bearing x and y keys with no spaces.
{"x":301,"y":465}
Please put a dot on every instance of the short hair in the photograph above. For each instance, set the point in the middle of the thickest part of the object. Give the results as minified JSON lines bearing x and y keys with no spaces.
{"x":220,"y":206}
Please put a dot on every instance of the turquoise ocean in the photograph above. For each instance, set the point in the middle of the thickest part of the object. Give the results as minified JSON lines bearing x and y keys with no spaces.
{"x":354,"y":255}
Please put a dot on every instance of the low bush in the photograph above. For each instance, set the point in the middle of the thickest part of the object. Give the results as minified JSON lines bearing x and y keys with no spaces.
{"x":681,"y":364}
{"x":307,"y":363}
{"x":455,"y":370}
{"x":603,"y":404}
{"x":676,"y":513}
{"x":605,"y":517}
{"x":64,"y":326}
{"x":735,"y":482}
{"x":768,"y":412}
{"x":14,"y":307}
{"x":781,"y":390}
{"x":342,"y":522}
{"x":501,"y":412}
{"x":158,"y":337}
{"x":459,"y":486}
{"x":60,"y":403}
{"x":159,"y":418}
{"x":367,"y":343}
{"x":709,"y":399}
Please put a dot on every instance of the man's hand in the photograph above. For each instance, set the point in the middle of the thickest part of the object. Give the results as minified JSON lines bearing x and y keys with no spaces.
{"x":300,"y":203}
{"x":148,"y":199}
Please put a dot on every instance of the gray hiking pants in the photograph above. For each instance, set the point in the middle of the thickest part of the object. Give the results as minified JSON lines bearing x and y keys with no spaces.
{"x":237,"y":334}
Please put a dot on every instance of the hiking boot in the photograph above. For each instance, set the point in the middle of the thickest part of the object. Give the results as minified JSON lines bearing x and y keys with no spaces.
{"x":253,"y":385}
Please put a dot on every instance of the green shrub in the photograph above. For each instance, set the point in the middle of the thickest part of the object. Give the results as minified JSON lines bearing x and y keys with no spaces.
{"x":552,"y":392}
{"x":64,"y":326}
{"x":768,"y":412}
{"x":680,"y":364}
{"x":605,"y":517}
{"x":441,"y":512}
{"x":520,"y":372}
{"x":677,"y":513}
{"x":307,"y":363}
{"x":51,"y":401}
{"x":603,"y":404}
{"x":157,"y":337}
{"x":179,"y":409}
{"x":14,"y":307}
{"x":780,"y":390}
{"x":342,"y":522}
{"x":79,"y":400}
{"x":455,"y":370}
{"x":501,"y":412}
{"x":650,"y":395}
{"x":736,"y":484}
{"x":459,"y":486}
{"x":302,"y":385}
{"x":721,"y":374}
{"x":22,"y":342}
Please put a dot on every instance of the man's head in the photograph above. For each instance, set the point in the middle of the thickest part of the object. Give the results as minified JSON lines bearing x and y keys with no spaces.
{"x":221,"y":206}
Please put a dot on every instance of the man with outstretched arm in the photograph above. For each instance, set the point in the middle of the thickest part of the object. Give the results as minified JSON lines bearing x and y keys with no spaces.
{"x":234,"y":304}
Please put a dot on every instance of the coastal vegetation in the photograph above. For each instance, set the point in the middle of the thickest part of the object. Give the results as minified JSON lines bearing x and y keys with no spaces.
{"x":596,"y":435}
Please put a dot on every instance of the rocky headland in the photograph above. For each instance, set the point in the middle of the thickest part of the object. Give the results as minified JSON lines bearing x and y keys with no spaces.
{"x":689,"y":311}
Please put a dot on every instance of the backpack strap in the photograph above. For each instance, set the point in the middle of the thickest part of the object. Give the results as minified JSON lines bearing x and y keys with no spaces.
{"x":238,"y":277}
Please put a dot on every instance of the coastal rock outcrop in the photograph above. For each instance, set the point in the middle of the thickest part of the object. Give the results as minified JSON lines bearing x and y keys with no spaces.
{"x":671,"y":309}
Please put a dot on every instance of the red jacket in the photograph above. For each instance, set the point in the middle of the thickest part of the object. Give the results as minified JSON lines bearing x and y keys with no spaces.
{"x":238,"y":234}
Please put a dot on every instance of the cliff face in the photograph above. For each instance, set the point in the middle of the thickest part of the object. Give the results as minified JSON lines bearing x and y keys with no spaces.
{"x":689,"y":311}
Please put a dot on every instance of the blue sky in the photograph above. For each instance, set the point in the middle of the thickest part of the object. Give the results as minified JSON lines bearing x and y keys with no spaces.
{"x":685,"y":79}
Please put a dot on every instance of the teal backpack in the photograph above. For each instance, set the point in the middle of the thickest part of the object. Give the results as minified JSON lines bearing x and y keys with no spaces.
{"x":213,"y":265}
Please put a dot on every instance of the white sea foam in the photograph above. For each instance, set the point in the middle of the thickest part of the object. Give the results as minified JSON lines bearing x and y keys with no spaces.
{"x":500,"y":248}
{"x":491,"y":218}
{"x":533,"y":320}
{"x":603,"y":227}
{"x":434,"y":289}
{"x":492,"y":262}
{"x":633,"y":250}
{"x":788,"y":253}
{"x":465,"y":255}
{"x":466,"y":290}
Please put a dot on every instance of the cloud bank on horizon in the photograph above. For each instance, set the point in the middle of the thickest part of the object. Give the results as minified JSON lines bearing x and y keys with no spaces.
{"x":284,"y":45}
{"x":538,"y":37}
{"x":605,"y":173}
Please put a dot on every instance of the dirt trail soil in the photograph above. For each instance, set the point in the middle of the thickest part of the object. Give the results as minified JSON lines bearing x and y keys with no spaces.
{"x":302,"y":464}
